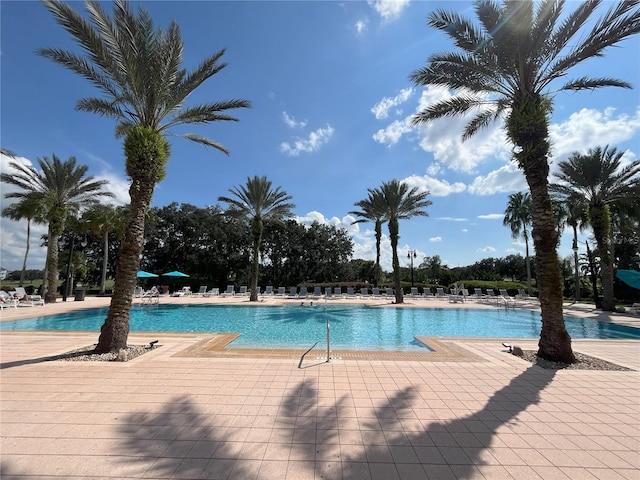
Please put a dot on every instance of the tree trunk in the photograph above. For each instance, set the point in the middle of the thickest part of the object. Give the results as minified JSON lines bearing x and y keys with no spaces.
{"x":527,"y":127}
{"x":253,"y":297}
{"x":527,"y":262}
{"x":26,"y":253}
{"x":115,"y":330}
{"x":376,"y":279}
{"x":55,"y":230}
{"x":393,"y":236}
{"x":601,"y":224}
{"x":105,"y":264}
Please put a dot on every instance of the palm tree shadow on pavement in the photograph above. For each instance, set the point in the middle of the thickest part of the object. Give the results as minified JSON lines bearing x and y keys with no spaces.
{"x":445,"y":449}
{"x":179,"y":441}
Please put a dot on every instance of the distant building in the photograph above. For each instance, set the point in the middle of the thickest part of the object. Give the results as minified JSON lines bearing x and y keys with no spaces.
{"x":3,"y":273}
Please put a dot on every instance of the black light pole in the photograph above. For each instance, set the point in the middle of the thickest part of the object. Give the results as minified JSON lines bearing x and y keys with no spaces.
{"x":65,"y":290}
{"x":411,"y":255}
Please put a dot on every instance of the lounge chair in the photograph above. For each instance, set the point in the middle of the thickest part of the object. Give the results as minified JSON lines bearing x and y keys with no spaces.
{"x":414,"y":292}
{"x":375,"y":292}
{"x":7,"y":300}
{"x":317,"y":292}
{"x":280,"y":292}
{"x":428,"y":294}
{"x":293,"y":292}
{"x":337,"y":292}
{"x":328,"y":293}
{"x":477,"y":293}
{"x":440,"y":292}
{"x":388,"y":292}
{"x":183,"y":292}
{"x":151,"y":296}
{"x":351,"y":293}
{"x":229,"y":292}
{"x":137,"y":292}
{"x":268,"y":291}
{"x":635,"y":309}
{"x":214,"y":292}
{"x":201,"y":291}
{"x":243,"y":290}
{"x":303,"y":292}
{"x":27,"y":300}
{"x":364,"y":292}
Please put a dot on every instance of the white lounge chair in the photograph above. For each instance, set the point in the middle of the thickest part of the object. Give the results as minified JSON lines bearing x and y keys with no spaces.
{"x":303,"y":292}
{"x":293,"y":292}
{"x":229,"y":291}
{"x":375,"y":292}
{"x":7,"y":300}
{"x":201,"y":291}
{"x":388,"y":292}
{"x":280,"y":292}
{"x":440,"y":293}
{"x":414,"y":292}
{"x":27,"y":300}
{"x":364,"y":292}
{"x":428,"y":294}
{"x":337,"y":292}
{"x":151,"y":296}
{"x":268,"y":291}
{"x":243,"y":290}
{"x":214,"y":292}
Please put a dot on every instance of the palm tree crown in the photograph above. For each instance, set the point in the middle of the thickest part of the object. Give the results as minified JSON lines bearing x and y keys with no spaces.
{"x":258,"y":202}
{"x":518,"y":218}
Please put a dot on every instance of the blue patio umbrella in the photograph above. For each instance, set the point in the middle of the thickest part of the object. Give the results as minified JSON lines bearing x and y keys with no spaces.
{"x":143,"y":274}
{"x":630,"y":277}
{"x":175,"y":273}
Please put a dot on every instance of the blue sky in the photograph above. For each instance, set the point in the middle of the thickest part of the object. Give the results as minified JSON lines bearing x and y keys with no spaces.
{"x":331,"y":103}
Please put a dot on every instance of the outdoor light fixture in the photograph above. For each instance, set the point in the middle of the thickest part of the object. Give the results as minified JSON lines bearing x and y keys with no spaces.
{"x":411,"y":255}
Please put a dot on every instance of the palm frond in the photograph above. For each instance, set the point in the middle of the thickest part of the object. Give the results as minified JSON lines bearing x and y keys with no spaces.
{"x":585,"y":83}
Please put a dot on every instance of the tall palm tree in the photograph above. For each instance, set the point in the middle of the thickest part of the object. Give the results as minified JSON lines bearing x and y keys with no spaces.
{"x":258,"y":203}
{"x":512,"y":65}
{"x":138,"y":69}
{"x":601,"y":180}
{"x":517,"y":216}
{"x":61,"y":188}
{"x":401,"y":203}
{"x":32,"y":211}
{"x":102,"y":220}
{"x":373,"y":209}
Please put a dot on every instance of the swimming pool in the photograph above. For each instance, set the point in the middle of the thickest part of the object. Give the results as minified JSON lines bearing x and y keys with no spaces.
{"x":353,"y":327}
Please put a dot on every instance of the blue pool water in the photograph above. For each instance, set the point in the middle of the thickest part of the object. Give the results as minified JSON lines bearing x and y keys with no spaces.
{"x":354,"y":327}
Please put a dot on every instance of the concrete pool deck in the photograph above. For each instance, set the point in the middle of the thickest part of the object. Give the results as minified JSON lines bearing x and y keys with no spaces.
{"x":165,"y":415}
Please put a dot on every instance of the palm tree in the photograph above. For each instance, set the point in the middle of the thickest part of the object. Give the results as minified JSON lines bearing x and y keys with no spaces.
{"x":32,"y":211}
{"x":102,"y":220}
{"x":401,"y":204}
{"x":373,"y":209}
{"x":508,"y":66}
{"x":517,"y":216}
{"x":258,"y":203}
{"x":600,"y":180}
{"x":138,"y":69}
{"x":61,"y":188}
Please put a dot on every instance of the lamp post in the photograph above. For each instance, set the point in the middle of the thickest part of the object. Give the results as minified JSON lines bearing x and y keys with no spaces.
{"x":411,"y":255}
{"x":576,"y":273}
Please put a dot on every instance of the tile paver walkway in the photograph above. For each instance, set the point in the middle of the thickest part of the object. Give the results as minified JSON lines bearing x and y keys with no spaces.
{"x":164,"y":416}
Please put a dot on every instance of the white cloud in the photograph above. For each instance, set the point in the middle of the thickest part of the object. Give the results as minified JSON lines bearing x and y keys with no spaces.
{"x":381,"y":109}
{"x":310,"y":144}
{"x":388,"y":9}
{"x":492,"y":216}
{"x":452,"y":219}
{"x":291,"y":122}
{"x":435,"y":239}
{"x":508,"y":178}
{"x":361,"y":25}
{"x":437,"y":188}
{"x":392,"y":133}
{"x":590,"y":128}
{"x":486,"y":249}
{"x":465,"y":230}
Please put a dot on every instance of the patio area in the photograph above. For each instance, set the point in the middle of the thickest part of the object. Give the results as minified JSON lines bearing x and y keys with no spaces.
{"x":171,"y":415}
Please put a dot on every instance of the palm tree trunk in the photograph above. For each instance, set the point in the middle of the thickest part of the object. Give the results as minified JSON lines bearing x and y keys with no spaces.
{"x":115,"y":330}
{"x":393,"y":236}
{"x":253,"y":297}
{"x":105,"y":263}
{"x":55,"y":230}
{"x":376,"y":279}
{"x":26,"y":253}
{"x":601,"y":224}
{"x":527,"y":262}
